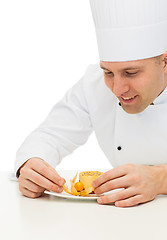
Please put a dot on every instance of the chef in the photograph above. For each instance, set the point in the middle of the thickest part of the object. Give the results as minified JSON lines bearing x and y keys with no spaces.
{"x":123,"y":99}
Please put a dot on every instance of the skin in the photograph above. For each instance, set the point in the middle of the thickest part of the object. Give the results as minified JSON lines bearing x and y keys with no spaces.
{"x":146,"y":81}
{"x":138,"y":183}
{"x":36,"y":176}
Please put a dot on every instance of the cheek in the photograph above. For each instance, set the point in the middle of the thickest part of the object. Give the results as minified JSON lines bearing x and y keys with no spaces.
{"x":149,"y":86}
{"x":141,"y":84}
{"x":155,"y":83}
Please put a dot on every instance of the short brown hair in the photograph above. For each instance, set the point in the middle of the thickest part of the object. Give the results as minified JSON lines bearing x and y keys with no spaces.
{"x":158,"y":59}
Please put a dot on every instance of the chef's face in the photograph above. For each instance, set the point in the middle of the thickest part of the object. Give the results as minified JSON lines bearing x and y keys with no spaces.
{"x":136,"y":83}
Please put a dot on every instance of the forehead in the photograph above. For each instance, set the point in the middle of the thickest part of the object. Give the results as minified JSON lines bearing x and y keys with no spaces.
{"x":126,"y":65}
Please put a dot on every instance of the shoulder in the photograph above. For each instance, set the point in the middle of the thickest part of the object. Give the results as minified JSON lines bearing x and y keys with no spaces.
{"x":93,"y":80}
{"x":94,"y":87}
{"x":94,"y":72}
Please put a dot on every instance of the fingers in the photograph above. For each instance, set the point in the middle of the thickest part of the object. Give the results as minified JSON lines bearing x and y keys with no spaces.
{"x":138,"y":182}
{"x":122,"y":195}
{"x":41,"y":181}
{"x":110,"y":175}
{"x":29,"y":193}
{"x":30,"y":185}
{"x":121,"y":182}
{"x":36,"y":176}
{"x":45,"y":170}
{"x":132,"y":201}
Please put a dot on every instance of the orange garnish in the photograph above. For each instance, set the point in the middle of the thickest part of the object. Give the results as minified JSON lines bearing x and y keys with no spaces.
{"x":73,"y":189}
{"x":79,"y":186}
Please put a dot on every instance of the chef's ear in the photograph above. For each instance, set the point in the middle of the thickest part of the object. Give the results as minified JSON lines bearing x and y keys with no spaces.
{"x":165,"y":61}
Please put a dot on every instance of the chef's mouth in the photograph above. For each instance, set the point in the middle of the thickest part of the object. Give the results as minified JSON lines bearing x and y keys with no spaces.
{"x":128,"y":99}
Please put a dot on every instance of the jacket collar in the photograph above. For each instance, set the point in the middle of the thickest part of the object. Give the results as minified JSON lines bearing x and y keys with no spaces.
{"x":162,"y":98}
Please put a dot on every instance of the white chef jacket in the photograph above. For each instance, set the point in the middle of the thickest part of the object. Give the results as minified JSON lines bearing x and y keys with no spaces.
{"x":91,"y":106}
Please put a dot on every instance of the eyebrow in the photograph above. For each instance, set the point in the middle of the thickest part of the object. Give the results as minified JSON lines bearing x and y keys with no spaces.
{"x":125,"y":69}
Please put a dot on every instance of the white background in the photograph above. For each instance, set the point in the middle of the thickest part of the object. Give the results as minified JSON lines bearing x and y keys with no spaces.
{"x":45,"y":48}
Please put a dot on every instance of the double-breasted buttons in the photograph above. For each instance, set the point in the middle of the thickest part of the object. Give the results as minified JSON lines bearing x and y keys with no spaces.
{"x":119,"y":147}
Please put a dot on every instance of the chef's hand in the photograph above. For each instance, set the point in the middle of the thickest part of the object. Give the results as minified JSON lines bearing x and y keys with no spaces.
{"x":36,"y":176}
{"x":140,"y":184}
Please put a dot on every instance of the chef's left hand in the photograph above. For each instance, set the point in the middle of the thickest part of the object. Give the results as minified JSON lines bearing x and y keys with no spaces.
{"x":140,"y":184}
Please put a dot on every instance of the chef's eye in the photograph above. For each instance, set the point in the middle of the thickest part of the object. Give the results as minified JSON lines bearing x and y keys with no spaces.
{"x":107,"y":73}
{"x":131,"y":73}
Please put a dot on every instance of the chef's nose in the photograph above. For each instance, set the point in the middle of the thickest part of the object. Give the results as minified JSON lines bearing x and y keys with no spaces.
{"x":120,"y":86}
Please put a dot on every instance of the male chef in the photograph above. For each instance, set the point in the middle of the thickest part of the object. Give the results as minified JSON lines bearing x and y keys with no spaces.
{"x":123,"y":99}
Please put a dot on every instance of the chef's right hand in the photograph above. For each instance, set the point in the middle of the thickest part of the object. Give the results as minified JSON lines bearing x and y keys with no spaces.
{"x":36,"y":176}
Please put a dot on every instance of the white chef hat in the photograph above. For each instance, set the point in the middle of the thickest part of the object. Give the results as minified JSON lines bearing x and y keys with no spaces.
{"x":130,"y":30}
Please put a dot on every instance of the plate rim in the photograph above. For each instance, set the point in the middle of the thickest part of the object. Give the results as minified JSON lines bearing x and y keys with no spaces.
{"x":63,"y":195}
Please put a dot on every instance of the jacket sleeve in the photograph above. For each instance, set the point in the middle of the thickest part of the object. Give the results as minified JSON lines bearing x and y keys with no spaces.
{"x":67,"y":127}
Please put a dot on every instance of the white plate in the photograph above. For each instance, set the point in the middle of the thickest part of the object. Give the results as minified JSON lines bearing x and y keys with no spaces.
{"x":67,"y":175}
{"x":66,"y":195}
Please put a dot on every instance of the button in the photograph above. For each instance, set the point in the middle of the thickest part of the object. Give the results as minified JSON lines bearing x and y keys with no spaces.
{"x":119,"y":104}
{"x":119,"y":148}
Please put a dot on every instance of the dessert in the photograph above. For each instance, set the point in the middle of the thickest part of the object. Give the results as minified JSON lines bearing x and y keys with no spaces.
{"x":84,"y":186}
